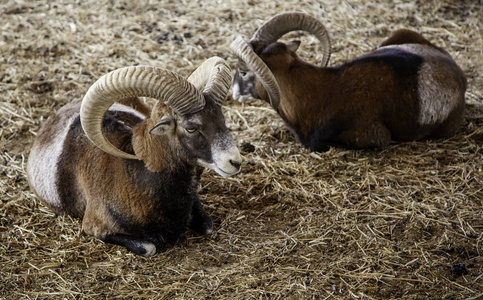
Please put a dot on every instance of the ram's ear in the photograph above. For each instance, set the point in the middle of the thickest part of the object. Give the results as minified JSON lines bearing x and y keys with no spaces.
{"x":293,"y":45}
{"x":165,"y":125}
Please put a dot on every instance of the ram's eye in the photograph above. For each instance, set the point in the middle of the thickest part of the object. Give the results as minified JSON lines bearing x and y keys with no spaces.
{"x":243,"y":73}
{"x":191,"y":129}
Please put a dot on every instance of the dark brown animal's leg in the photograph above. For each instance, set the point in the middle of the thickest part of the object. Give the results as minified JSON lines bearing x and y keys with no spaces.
{"x":98,"y":222}
{"x":366,"y":136}
{"x":133,"y":244}
{"x":201,"y":222}
{"x":449,"y":127}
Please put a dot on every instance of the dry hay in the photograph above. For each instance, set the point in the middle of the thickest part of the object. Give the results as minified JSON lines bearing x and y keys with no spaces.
{"x":405,"y":222}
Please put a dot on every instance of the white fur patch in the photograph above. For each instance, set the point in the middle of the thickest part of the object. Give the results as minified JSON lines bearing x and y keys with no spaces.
{"x":43,"y":160}
{"x":42,"y":164}
{"x":437,"y":98}
{"x":127,"y":109}
{"x":150,"y":249}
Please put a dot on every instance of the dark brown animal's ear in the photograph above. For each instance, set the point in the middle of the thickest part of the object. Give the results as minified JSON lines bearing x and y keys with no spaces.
{"x":293,"y":45}
{"x":164,"y":126}
{"x":258,"y":46}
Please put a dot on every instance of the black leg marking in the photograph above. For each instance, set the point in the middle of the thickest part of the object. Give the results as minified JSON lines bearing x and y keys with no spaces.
{"x":200,"y":222}
{"x":134,"y":244}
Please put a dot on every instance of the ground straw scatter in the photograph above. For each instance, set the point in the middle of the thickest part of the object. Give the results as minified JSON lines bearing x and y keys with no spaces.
{"x":403,"y":222}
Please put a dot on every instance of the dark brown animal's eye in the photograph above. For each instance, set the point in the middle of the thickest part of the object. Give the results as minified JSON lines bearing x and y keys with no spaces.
{"x":191,"y":129}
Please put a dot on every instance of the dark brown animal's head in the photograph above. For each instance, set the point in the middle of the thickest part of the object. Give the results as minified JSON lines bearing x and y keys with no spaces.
{"x":253,"y":78}
{"x":185,"y":124}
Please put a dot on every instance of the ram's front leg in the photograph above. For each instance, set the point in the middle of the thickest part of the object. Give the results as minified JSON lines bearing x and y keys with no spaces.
{"x":101,"y":223}
{"x":134,"y":244}
{"x":373,"y":135}
{"x":200,"y":222}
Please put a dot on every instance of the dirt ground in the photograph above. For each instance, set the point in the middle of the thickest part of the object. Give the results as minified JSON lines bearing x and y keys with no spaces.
{"x":403,"y":222}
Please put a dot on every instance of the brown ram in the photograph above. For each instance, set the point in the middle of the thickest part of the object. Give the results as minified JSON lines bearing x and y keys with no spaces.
{"x":406,"y":89}
{"x":130,"y":173}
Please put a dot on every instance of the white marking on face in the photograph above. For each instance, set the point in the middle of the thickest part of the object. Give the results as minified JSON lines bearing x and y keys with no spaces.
{"x":242,"y":95}
{"x":226,"y":157}
{"x":43,"y":164}
{"x":236,"y":92}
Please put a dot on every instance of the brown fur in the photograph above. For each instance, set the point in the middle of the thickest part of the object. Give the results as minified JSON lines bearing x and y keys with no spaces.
{"x":147,"y":146}
{"x":137,"y":104}
{"x":134,"y":203}
{"x":157,"y":153}
{"x":406,"y":36}
{"x":367,"y":103}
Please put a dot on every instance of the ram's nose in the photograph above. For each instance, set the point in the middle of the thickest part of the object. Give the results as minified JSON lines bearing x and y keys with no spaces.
{"x":236,"y":163}
{"x":232,"y":162}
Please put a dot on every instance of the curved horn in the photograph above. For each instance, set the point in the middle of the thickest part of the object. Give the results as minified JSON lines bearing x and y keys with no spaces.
{"x":213,"y":78}
{"x":283,"y":23}
{"x":156,"y":83}
{"x":245,"y":52}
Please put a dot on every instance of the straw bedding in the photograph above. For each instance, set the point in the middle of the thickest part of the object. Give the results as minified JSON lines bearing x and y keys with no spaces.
{"x":403,"y":222}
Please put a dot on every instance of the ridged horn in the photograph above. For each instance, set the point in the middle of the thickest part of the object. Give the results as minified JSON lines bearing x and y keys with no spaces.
{"x":213,"y":78}
{"x":245,"y":52}
{"x":277,"y":26}
{"x":139,"y":81}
